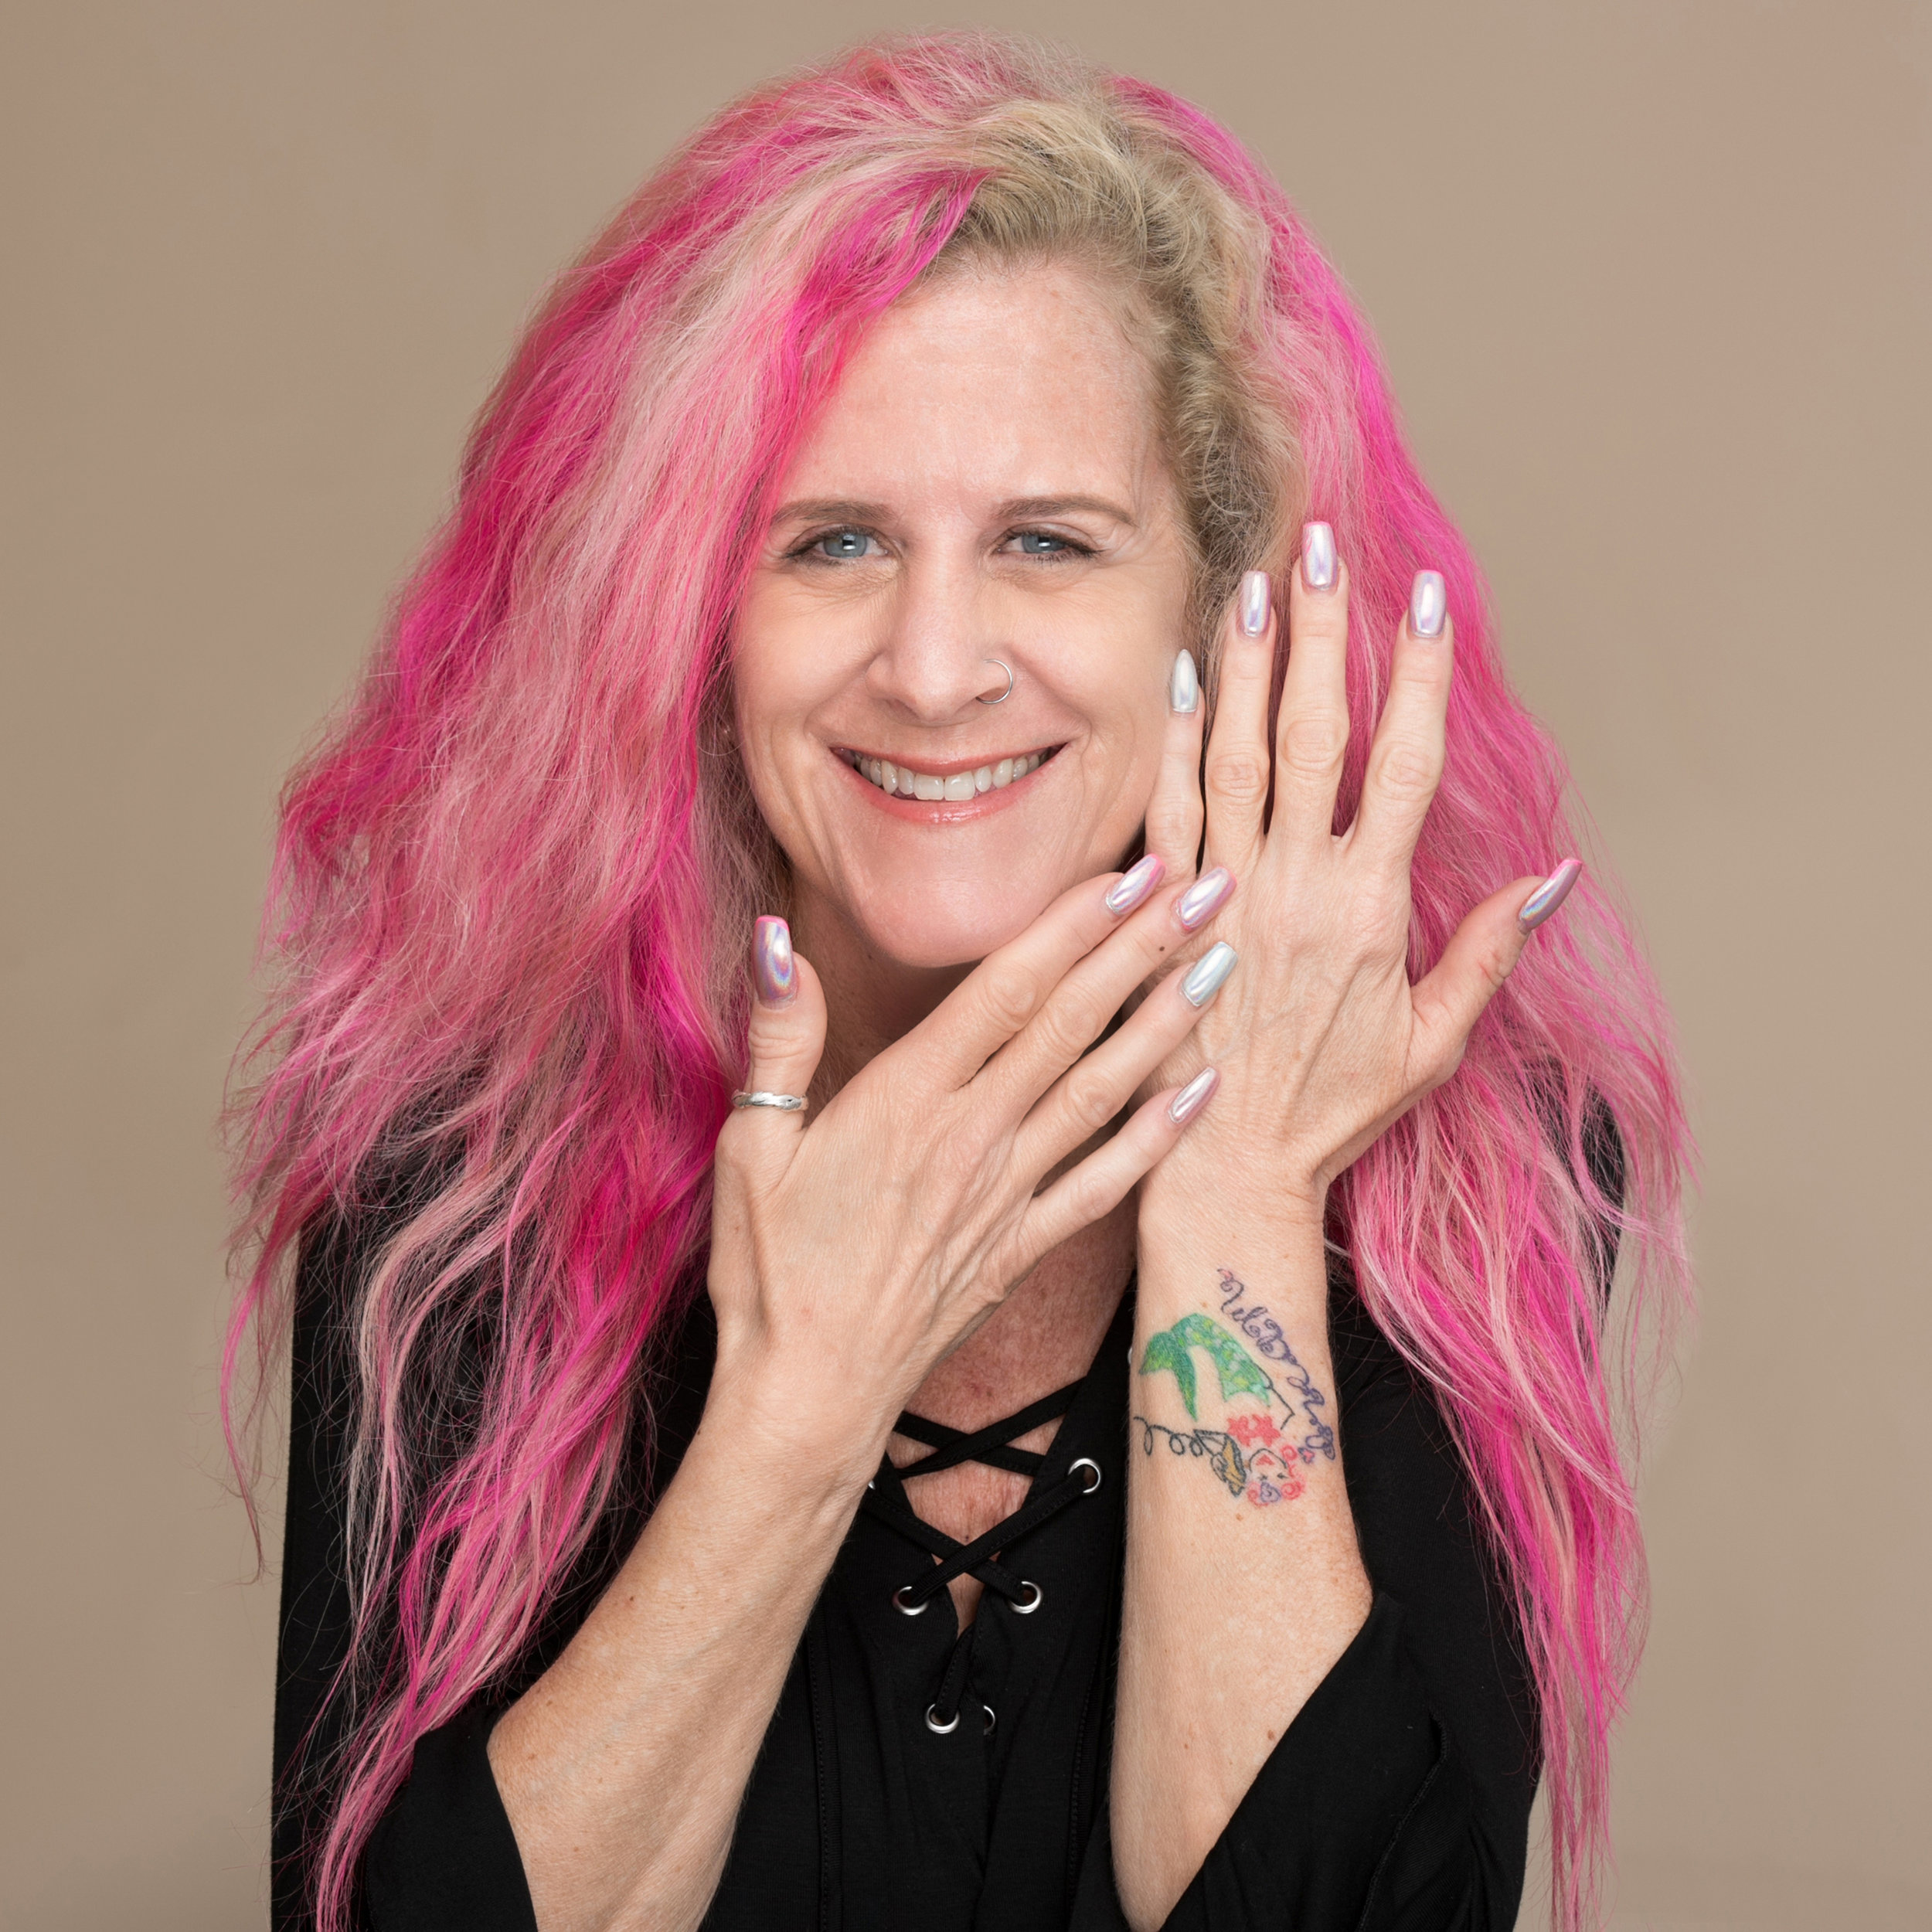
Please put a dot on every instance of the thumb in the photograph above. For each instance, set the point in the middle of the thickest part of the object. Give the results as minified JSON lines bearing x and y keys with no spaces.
{"x":1480,"y":954}
{"x":787,"y":1036}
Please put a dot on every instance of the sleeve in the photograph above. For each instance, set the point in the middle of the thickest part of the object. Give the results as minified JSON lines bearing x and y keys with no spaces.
{"x":1398,"y":1799}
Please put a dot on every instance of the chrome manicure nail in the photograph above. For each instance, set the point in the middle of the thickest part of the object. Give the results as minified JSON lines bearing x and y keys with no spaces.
{"x":1193,"y":1097}
{"x":1254,"y":603}
{"x":1209,"y":973}
{"x":1135,"y":883}
{"x":1318,"y":557}
{"x":772,"y":965}
{"x":1183,"y":686}
{"x":1204,"y":898}
{"x":1549,"y":895}
{"x":1428,"y":605}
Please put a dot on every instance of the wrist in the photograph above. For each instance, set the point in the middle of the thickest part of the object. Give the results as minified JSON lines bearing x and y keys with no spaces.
{"x":774,"y":1417}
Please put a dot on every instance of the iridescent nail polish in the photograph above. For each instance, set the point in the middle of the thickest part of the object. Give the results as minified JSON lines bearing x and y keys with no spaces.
{"x":1193,"y":1097}
{"x":1209,"y":973}
{"x":1135,"y":883}
{"x":772,"y":965}
{"x":1204,"y":898}
{"x":1254,"y":603}
{"x":1318,"y":557}
{"x":1183,"y":686}
{"x":1549,"y":895}
{"x":1428,"y":605}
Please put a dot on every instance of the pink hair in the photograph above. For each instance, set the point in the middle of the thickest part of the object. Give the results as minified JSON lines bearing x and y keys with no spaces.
{"x":514,"y":885}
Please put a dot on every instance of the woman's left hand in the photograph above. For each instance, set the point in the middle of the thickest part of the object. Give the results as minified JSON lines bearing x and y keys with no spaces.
{"x":1321,"y":1041}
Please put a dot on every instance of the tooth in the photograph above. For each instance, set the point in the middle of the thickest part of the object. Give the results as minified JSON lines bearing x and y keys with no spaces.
{"x":959,"y":786}
{"x":888,"y":776}
{"x":1002,"y":774}
{"x":1024,"y":766}
{"x":927,"y":787}
{"x":983,"y":779}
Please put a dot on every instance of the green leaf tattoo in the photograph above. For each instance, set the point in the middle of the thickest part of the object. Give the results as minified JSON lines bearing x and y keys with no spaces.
{"x":1237,"y":1370}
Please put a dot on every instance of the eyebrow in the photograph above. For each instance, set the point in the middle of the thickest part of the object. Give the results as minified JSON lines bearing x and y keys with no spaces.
{"x":839,"y":509}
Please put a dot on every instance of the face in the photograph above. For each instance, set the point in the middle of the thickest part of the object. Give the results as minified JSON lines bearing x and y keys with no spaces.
{"x":985,"y":489}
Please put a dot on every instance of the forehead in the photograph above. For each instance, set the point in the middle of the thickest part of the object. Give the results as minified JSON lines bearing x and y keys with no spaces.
{"x":1002,"y":382}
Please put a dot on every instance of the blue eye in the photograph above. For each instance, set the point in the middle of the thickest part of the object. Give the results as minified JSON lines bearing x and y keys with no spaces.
{"x":842,"y":544}
{"x":1040,"y":543}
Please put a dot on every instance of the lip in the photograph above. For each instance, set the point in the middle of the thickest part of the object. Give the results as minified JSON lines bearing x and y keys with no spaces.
{"x":946,"y":811}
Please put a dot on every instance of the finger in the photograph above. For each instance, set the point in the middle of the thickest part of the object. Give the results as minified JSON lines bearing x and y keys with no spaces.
{"x":788,"y":1037}
{"x":1083,"y":1004}
{"x":1009,"y":988}
{"x":1405,"y":761}
{"x":1312,"y":736}
{"x":1100,"y":1182}
{"x":1095,"y":1088}
{"x":1481,"y":954}
{"x":1237,"y":753}
{"x":1175,"y":813}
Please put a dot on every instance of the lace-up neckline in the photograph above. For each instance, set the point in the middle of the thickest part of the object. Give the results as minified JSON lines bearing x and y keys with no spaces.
{"x":992,"y":1447}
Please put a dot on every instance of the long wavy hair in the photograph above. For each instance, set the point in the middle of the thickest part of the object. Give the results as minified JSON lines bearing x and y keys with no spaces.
{"x":514,"y":883}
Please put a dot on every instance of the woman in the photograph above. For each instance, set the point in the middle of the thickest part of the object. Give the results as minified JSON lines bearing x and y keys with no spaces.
{"x":1101,"y":1238}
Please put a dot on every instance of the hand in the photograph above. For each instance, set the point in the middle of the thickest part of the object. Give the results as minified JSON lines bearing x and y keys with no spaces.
{"x":1322,"y":1043}
{"x":852,"y":1248}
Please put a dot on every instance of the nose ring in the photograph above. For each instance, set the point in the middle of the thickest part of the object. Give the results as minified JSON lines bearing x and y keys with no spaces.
{"x":1008,"y":691}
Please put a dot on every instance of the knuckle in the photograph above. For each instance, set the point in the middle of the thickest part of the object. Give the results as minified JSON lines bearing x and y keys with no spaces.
{"x":1406,"y":770}
{"x":1010,"y":995}
{"x":1089,"y":1096}
{"x":1238,"y":777}
{"x":1312,"y":744}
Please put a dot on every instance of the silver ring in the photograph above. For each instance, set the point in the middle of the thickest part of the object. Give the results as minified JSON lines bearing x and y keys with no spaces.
{"x":1087,"y":1462}
{"x":935,"y":1726}
{"x":905,"y":1609}
{"x":1027,"y":1609}
{"x":785,"y":1103}
{"x":1008,"y":691}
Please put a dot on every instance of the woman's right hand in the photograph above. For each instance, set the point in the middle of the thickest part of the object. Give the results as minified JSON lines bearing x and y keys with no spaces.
{"x":851,"y":1250}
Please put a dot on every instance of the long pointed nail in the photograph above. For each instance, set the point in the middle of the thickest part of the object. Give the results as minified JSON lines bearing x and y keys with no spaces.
{"x":1204,"y":898}
{"x":1135,"y":883}
{"x":772,"y":965}
{"x":1209,"y":973}
{"x":1254,"y":603}
{"x":1193,"y":1097}
{"x":1549,"y":895}
{"x":1183,"y":686}
{"x":1317,"y":557}
{"x":1428,"y":605}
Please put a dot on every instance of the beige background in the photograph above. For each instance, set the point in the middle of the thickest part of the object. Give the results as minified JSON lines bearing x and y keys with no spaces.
{"x":1654,"y":282}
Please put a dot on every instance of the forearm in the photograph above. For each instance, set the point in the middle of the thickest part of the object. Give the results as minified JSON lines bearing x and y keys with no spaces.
{"x":622,"y":1768}
{"x":1244,"y":1581}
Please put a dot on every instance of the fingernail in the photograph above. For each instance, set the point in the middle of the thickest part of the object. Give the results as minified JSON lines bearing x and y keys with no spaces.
{"x":1135,"y":883}
{"x":1428,"y":605}
{"x":1193,"y":1097}
{"x":772,"y":965}
{"x":1209,"y":973}
{"x":1204,"y":898}
{"x":1254,"y":603}
{"x":1318,"y":557}
{"x":1549,"y":895}
{"x":1184,"y":687}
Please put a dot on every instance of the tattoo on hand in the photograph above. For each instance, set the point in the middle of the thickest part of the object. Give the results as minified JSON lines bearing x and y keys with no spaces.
{"x":1272,"y":1431}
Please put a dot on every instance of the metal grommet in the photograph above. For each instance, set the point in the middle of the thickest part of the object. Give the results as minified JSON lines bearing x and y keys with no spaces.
{"x":1040,"y":1598}
{"x":1087,"y":1462}
{"x":991,"y":1720}
{"x":932,"y":1718}
{"x":904,"y":1608}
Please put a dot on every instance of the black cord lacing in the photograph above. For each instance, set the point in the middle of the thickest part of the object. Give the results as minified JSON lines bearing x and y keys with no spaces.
{"x":992,"y":1447}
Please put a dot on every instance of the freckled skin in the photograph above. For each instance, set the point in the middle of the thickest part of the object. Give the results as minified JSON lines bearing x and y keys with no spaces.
{"x":984,"y":392}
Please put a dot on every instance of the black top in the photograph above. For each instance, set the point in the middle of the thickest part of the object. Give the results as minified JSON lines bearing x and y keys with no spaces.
{"x":1398,"y":1798}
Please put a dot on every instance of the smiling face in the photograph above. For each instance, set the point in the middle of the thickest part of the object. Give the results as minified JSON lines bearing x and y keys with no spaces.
{"x":986,"y":488}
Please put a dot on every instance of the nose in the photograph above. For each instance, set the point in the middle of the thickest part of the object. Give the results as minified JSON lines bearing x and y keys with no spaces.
{"x":941,"y":650}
